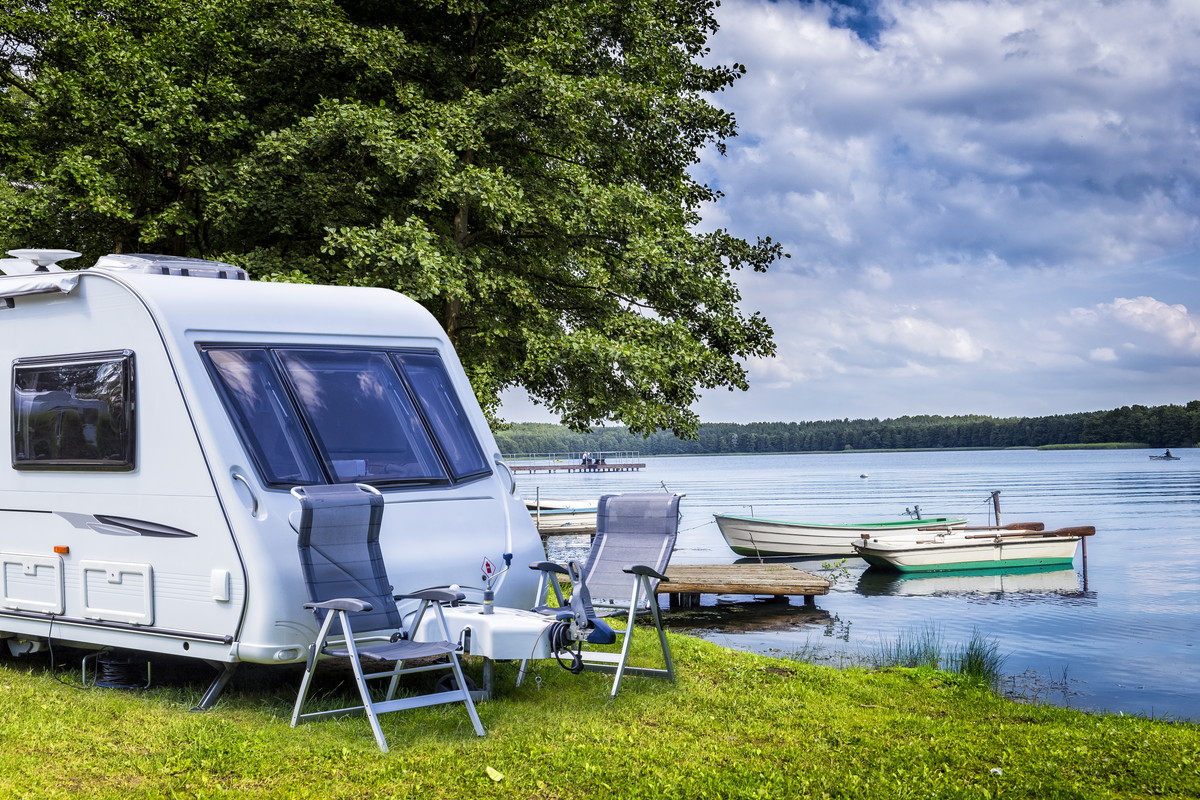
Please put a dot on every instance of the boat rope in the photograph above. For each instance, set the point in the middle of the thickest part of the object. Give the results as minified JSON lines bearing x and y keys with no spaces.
{"x":986,"y":502}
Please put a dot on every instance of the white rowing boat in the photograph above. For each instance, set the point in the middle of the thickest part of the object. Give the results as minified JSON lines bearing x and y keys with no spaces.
{"x":755,"y":536}
{"x":562,"y":516}
{"x":963,"y":549}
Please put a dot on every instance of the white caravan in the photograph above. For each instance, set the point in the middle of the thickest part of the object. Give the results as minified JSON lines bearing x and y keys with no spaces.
{"x":159,"y":410}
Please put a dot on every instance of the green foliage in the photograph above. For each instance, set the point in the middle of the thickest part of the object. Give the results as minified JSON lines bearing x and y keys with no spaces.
{"x":520,"y":168}
{"x":736,"y":725}
{"x":836,"y":570}
{"x":925,"y":433}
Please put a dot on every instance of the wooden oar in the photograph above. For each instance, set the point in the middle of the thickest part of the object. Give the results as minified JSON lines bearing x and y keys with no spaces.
{"x":1082,"y":530}
{"x":1012,"y":526}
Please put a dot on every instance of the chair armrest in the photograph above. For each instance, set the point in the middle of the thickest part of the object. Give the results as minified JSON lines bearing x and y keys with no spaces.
{"x":642,"y":569}
{"x":548,"y":566}
{"x":342,"y":604}
{"x":434,"y":595}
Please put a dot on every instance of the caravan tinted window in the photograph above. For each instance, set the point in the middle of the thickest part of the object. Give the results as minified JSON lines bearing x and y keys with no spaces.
{"x":265,"y":415}
{"x":445,"y":413}
{"x":363,"y":419}
{"x":315,"y":415}
{"x":74,"y":412}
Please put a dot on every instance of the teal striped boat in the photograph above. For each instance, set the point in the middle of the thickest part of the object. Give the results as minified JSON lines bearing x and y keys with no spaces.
{"x":755,"y":536}
{"x":957,"y":550}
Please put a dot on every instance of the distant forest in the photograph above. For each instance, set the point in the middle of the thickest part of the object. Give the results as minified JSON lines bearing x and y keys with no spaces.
{"x":1153,"y":426}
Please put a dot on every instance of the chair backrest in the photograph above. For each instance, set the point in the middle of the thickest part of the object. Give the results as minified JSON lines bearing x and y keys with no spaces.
{"x":340,"y":554}
{"x":630,"y":529}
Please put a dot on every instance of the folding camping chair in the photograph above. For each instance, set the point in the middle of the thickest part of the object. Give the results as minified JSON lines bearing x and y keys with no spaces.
{"x":635,"y":534}
{"x":346,"y":579}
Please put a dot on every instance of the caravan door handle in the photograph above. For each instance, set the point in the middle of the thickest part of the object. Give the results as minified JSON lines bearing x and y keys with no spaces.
{"x":252,"y":505}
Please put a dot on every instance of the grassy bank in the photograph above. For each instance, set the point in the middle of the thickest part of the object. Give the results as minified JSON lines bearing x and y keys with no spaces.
{"x":736,"y":725}
{"x":1097,"y":446}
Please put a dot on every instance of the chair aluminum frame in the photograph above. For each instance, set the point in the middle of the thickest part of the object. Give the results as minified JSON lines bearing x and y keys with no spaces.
{"x":643,"y":599}
{"x":338,"y":612}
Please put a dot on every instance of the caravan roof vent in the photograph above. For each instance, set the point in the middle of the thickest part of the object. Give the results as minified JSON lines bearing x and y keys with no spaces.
{"x":170,"y":265}
{"x":24,"y":262}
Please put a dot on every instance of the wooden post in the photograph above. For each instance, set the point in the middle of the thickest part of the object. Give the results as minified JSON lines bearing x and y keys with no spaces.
{"x":996,"y":506}
{"x":1083,"y":544}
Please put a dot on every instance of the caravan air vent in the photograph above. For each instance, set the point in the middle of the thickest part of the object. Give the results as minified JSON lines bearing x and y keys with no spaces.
{"x":170,"y":265}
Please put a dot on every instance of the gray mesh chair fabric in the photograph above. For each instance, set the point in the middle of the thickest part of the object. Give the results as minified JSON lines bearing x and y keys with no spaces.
{"x":630,"y":529}
{"x":635,"y":534}
{"x":350,"y":595}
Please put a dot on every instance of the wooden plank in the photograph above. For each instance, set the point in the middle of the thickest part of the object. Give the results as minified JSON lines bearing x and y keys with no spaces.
{"x":567,"y":530}
{"x":772,"y":579}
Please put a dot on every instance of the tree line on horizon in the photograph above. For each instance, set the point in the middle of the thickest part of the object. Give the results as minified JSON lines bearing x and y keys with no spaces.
{"x":1152,"y":426}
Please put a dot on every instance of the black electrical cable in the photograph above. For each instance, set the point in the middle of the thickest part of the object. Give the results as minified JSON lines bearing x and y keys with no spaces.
{"x":559,"y":639}
{"x":121,"y":672}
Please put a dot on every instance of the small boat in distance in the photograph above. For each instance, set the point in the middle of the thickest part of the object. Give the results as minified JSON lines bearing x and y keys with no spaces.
{"x":755,"y":536}
{"x":954,"y":550}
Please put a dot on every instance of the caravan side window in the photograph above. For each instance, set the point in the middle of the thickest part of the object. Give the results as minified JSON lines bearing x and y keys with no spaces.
{"x":74,"y":412}
{"x":341,"y":415}
{"x":264,"y":415}
{"x":365,"y":425}
{"x":445,"y":413}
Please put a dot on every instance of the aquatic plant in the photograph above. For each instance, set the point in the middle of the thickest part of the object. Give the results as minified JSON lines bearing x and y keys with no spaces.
{"x":911,"y":648}
{"x":979,"y":659}
{"x":836,"y":570}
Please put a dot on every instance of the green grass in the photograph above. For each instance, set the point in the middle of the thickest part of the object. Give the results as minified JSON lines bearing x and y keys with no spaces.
{"x":736,"y":725}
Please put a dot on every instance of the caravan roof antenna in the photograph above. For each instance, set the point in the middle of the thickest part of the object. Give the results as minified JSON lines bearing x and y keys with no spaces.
{"x":26,"y":261}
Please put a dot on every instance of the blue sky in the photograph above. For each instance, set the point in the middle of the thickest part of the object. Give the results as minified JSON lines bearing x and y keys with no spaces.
{"x":991,"y":207}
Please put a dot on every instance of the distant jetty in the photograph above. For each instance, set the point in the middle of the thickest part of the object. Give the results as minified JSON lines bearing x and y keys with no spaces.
{"x":584,"y":461}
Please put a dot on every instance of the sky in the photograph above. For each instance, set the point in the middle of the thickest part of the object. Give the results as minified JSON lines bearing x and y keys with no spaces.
{"x":991,"y":206}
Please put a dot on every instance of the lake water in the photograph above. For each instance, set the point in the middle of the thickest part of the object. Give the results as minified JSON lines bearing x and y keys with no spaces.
{"x":1119,"y":634}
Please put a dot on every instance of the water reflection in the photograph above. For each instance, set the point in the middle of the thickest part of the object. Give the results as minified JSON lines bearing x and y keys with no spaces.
{"x":737,"y":613}
{"x":1050,"y":582}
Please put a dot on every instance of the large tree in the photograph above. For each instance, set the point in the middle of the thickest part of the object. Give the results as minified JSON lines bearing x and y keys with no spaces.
{"x":520,"y":168}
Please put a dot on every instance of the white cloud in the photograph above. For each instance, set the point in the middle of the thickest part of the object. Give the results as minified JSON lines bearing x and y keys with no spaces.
{"x":1005,"y":127}
{"x":1170,"y":325}
{"x":1153,"y":316}
{"x":877,"y":278}
{"x":953,"y":189}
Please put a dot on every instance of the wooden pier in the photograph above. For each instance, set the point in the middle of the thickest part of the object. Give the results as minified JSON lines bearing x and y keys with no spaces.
{"x":600,"y":461}
{"x":689,"y":581}
{"x":563,"y":467}
{"x":567,"y":530}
